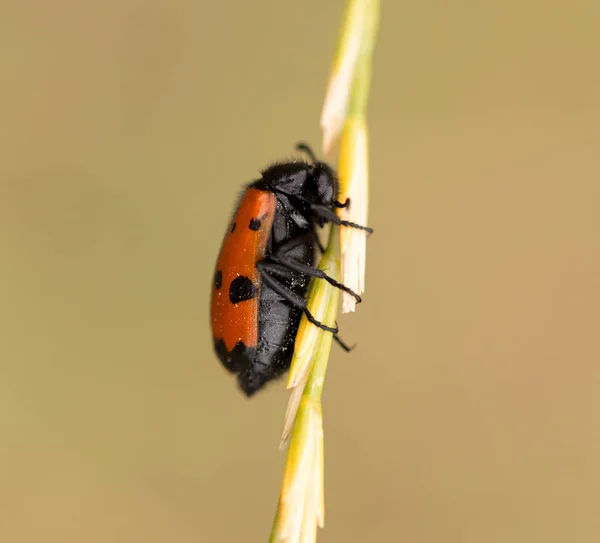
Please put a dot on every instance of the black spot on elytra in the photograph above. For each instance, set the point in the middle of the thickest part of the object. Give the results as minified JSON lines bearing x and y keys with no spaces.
{"x":232,"y":228}
{"x":236,"y":359}
{"x":218,"y":279}
{"x":241,"y":290}
{"x":254,"y":224}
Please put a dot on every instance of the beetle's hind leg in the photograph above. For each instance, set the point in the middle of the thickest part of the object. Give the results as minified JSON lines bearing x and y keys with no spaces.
{"x":267,"y":268}
{"x":282,"y":255}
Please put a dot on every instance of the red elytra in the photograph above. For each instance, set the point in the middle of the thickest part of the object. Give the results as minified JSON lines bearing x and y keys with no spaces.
{"x":242,"y":248}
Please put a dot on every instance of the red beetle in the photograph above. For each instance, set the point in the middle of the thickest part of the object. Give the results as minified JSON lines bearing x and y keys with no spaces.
{"x":264,"y":266}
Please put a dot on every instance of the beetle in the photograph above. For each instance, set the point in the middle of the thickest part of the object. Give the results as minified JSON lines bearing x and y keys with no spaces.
{"x":264,"y":265}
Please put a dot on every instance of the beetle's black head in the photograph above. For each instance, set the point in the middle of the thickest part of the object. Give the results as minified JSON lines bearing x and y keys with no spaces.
{"x":310,"y":183}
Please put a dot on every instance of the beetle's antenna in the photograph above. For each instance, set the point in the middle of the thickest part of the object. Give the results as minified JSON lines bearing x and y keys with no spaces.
{"x":306,"y":148}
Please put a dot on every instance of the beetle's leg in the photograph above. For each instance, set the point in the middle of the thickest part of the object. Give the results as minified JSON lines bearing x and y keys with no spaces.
{"x":266,"y":268}
{"x":281,"y":254}
{"x":330,"y":216}
{"x":342,"y":344}
{"x":318,"y":242}
{"x":340,"y":205}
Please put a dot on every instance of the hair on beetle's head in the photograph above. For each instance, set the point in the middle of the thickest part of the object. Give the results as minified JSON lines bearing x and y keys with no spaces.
{"x":287,"y":177}
{"x":312,"y":183}
{"x":322,"y":185}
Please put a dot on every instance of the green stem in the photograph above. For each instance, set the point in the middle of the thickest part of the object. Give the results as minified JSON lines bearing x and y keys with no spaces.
{"x":330,"y":262}
{"x":361,"y":84}
{"x":360,"y":16}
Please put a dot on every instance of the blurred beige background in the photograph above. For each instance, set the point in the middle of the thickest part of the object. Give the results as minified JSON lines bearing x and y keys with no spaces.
{"x":469,"y":411}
